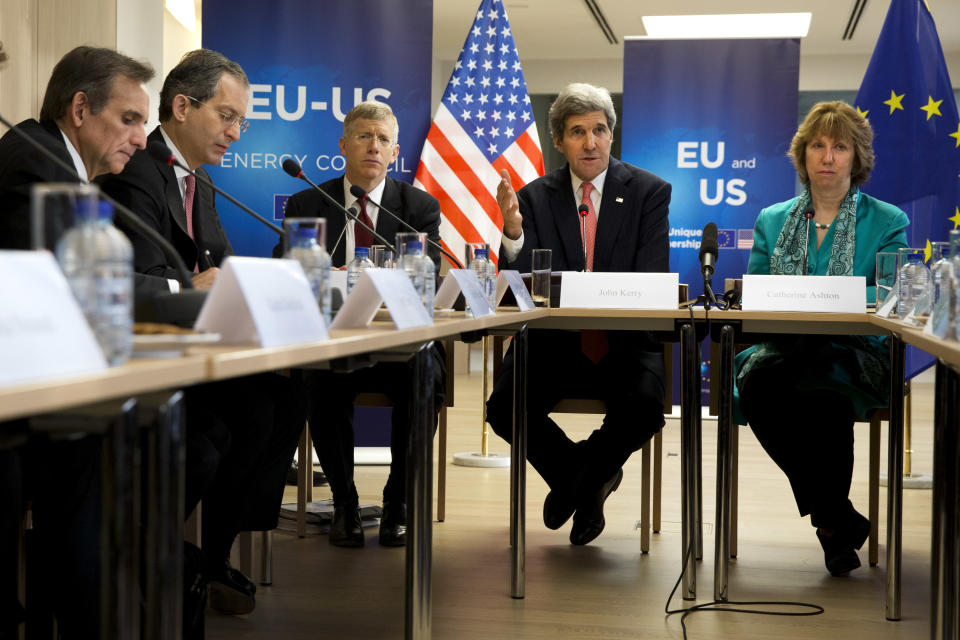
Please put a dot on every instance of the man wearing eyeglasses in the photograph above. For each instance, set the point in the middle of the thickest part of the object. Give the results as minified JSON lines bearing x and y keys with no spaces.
{"x":369,"y":145}
{"x":241,"y":433}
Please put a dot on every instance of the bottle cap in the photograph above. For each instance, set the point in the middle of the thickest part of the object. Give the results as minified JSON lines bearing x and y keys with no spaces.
{"x":480,"y":252}
{"x":414,"y":246}
{"x":361,"y":252}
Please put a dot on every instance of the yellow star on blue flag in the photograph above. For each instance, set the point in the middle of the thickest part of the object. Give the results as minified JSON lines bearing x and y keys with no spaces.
{"x":917,"y":146}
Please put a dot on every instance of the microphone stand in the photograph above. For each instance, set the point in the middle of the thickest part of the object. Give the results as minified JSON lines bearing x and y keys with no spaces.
{"x":808,"y":214}
{"x":125,"y":214}
{"x":343,"y":232}
{"x":583,"y":210}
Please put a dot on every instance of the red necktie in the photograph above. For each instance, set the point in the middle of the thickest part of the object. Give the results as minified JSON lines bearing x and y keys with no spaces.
{"x":191,"y":188}
{"x":593,"y":342}
{"x":362,"y":237}
{"x":590,"y":224}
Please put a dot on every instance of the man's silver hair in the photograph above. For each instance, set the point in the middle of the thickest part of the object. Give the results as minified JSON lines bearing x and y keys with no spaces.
{"x":576,"y":99}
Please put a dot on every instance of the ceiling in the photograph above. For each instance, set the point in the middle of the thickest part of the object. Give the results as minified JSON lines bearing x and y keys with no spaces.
{"x":565,"y":29}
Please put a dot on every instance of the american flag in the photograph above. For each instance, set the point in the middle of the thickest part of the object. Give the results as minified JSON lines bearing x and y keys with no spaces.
{"x":483,"y":124}
{"x":744,"y":238}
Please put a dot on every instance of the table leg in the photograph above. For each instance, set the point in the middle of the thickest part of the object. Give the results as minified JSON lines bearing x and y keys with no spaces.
{"x":895,"y":478}
{"x":420,"y":499}
{"x":943,"y":560}
{"x":724,"y":465}
{"x":518,"y":468}
{"x":689,"y":409}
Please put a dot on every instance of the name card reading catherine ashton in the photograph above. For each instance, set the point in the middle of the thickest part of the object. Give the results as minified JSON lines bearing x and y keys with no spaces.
{"x":619,"y":290}
{"x":823,"y":294}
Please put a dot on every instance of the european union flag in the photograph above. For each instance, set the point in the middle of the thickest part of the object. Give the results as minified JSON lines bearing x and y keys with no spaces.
{"x":907,"y":96}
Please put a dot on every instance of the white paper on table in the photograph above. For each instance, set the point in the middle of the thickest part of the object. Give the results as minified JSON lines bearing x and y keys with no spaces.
{"x":43,"y":333}
{"x":394,"y":289}
{"x":619,"y":290}
{"x":263,"y":301}
{"x":511,"y":278}
{"x":465,"y":281}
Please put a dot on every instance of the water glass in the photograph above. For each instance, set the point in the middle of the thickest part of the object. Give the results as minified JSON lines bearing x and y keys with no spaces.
{"x":52,"y":207}
{"x":381,"y":256}
{"x":540,"y":271}
{"x":886,"y":275}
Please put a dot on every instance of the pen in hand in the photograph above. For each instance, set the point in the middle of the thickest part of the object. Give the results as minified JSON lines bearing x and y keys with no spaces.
{"x":207,"y":259}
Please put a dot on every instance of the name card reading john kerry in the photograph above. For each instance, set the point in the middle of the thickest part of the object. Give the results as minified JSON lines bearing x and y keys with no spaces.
{"x":619,"y":290}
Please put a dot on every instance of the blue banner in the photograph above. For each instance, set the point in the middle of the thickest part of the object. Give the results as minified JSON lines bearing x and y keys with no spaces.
{"x":715,"y":119}
{"x":308,"y":64}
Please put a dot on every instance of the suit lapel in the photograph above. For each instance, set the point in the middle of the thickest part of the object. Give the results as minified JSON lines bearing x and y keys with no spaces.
{"x":614,"y":208}
{"x":563,"y":208}
{"x":336,"y":221}
{"x":386,"y":225}
{"x":171,"y":190}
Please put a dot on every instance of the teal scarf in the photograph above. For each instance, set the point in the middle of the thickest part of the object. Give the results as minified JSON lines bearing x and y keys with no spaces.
{"x":787,"y":256}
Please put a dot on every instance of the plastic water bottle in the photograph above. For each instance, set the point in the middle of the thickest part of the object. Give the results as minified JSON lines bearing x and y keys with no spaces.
{"x":486,"y":274}
{"x":359,"y":264}
{"x":412,"y":264}
{"x":941,"y":271}
{"x":429,"y":274}
{"x":97,"y":260}
{"x":315,"y":261}
{"x":914,"y":285}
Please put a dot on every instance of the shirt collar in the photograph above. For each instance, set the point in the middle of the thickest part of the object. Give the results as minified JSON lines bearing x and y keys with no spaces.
{"x":75,"y":156}
{"x":596,"y":182}
{"x":179,"y":172}
{"x":375,"y":194}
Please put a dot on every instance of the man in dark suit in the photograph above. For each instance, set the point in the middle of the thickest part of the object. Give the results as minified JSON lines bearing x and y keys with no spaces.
{"x":92,"y":119}
{"x":369,"y":144}
{"x":241,"y":433}
{"x":626,"y":230}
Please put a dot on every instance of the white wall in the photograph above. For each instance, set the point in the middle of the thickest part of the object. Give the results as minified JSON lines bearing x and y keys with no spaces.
{"x":139,"y":37}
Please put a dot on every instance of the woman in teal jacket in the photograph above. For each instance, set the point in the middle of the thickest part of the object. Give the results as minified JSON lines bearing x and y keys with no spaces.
{"x":801,"y":394}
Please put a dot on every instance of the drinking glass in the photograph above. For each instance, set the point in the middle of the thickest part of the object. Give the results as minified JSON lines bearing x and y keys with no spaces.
{"x":540,"y":271}
{"x":52,"y":207}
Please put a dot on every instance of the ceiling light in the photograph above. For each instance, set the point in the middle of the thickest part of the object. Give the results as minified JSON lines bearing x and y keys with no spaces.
{"x":184,"y":11}
{"x":734,"y":25}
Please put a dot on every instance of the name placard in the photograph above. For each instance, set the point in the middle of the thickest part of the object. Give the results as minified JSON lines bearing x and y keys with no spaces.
{"x":511,"y":278}
{"x":394,"y":289}
{"x":837,"y":294}
{"x":262,"y":301}
{"x":619,"y":290}
{"x":464,"y":280}
{"x":43,"y":333}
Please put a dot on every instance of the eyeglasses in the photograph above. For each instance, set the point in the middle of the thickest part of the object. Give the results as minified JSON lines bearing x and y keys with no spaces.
{"x":228,"y":119}
{"x":366,"y":138}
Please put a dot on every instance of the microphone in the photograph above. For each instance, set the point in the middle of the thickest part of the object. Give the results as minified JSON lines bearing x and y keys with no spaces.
{"x":808,"y":213}
{"x":162,"y":153}
{"x":293,"y":169}
{"x":343,"y":232}
{"x":128,"y":217}
{"x":708,"y":258}
{"x":358,"y":193}
{"x":583,"y":210}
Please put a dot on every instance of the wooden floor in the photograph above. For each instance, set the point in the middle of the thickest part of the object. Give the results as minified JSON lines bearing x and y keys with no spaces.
{"x":607,"y":589}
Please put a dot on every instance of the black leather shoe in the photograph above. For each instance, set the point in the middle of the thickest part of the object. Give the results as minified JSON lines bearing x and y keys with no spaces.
{"x":231,"y":592}
{"x":393,"y":524}
{"x":588,"y":521}
{"x":346,"y":530}
{"x":839,"y":549}
{"x":558,"y":506}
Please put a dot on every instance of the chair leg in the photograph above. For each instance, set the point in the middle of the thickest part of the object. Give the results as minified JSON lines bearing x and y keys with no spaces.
{"x":266,"y":557}
{"x":874,"y":548}
{"x":304,"y":480}
{"x":442,"y":467}
{"x":657,"y":478}
{"x":734,"y":474}
{"x":645,"y":498}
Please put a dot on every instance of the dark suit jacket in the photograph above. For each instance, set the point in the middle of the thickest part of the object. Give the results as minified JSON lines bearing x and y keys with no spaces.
{"x":415,"y":206}
{"x":20,"y":167}
{"x":150,"y":189}
{"x":632,"y":235}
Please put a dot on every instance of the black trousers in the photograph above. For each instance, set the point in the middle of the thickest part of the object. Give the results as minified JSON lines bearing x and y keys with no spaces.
{"x":241,"y":435}
{"x":557,"y":369}
{"x":810,"y":439}
{"x":331,"y":397}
